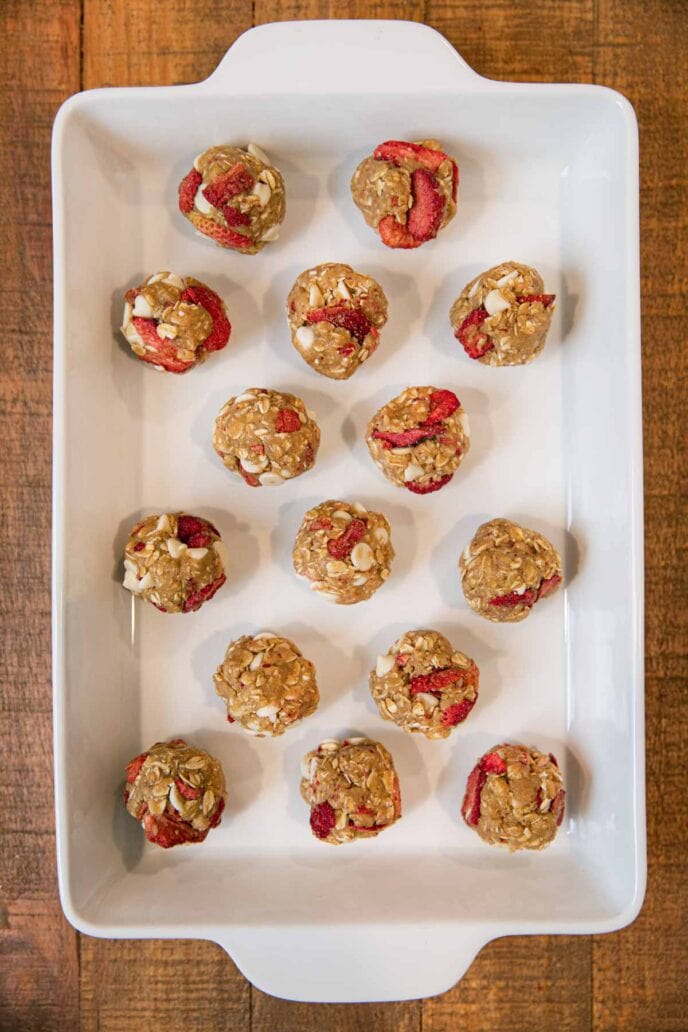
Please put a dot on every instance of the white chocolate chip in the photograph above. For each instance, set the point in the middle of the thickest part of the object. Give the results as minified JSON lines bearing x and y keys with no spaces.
{"x":257,"y":661}
{"x":359,"y":580}
{"x":508,"y":278}
{"x":343,"y":290}
{"x":264,"y":634}
{"x":360,"y":509}
{"x":329,"y":745}
{"x":384,"y":665}
{"x":355,"y":741}
{"x":381,"y":535}
{"x":271,"y":479}
{"x":429,"y":701}
{"x":340,"y":514}
{"x":175,"y":547}
{"x":362,"y":557}
{"x":263,"y":192}
{"x":267,"y":711}
{"x":400,"y":451}
{"x":495,"y":302}
{"x":176,"y":798}
{"x":255,"y":152}
{"x":413,"y":472}
{"x":254,"y":467}
{"x":141,"y":308}
{"x":305,"y":336}
{"x":137,"y":586}
{"x":174,"y":280}
{"x":201,"y":202}
{"x":315,"y":298}
{"x":163,"y":523}
{"x":197,"y":553}
{"x":270,"y":234}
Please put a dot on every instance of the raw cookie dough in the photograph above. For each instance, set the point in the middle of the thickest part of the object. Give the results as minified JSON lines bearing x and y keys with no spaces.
{"x":344,"y":551}
{"x":266,"y":437}
{"x":506,"y":569}
{"x":406,"y":191}
{"x":176,"y":791}
{"x":335,"y":316}
{"x":352,"y":789}
{"x":174,"y":321}
{"x":174,"y":561}
{"x":502,"y":316}
{"x":423,"y":684}
{"x":419,"y":438}
{"x":235,"y":197}
{"x":267,"y":685}
{"x":514,"y":797}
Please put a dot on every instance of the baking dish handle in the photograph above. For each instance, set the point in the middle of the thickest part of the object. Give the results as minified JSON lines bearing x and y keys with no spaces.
{"x":353,"y":964}
{"x":374,"y":56}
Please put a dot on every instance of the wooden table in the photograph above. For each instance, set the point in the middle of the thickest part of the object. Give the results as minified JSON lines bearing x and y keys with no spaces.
{"x":50,"y":977}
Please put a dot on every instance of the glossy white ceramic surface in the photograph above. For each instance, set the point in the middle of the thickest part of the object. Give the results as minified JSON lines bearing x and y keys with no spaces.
{"x":549,"y":176}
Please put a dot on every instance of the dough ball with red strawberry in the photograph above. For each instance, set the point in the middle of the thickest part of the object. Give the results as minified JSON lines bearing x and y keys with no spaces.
{"x":502,"y":316}
{"x":266,"y":437}
{"x":175,"y":561}
{"x":173,"y":322}
{"x":419,"y":438}
{"x":507,"y":569}
{"x":515,"y":797}
{"x":407,"y":191}
{"x":335,"y":317}
{"x":235,"y":196}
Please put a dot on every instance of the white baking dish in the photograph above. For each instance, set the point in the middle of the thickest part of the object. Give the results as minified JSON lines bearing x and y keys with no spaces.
{"x":549,"y":176}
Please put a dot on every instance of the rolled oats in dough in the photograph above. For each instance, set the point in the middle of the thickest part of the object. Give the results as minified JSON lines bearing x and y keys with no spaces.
{"x":174,"y":561}
{"x":420,"y":438}
{"x":266,"y":683}
{"x":266,"y":437}
{"x":502,"y":316}
{"x":352,"y":789}
{"x":424,"y":684}
{"x":235,"y":196}
{"x":335,"y":317}
{"x":506,"y":569}
{"x":515,"y":797}
{"x":344,"y":550}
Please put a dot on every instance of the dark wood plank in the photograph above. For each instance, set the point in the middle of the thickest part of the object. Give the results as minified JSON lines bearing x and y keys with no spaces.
{"x":271,"y":1015}
{"x":38,"y":954}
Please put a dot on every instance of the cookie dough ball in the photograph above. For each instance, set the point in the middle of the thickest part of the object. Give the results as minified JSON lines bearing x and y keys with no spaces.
{"x":176,"y":791}
{"x":266,"y":437}
{"x":419,"y":438}
{"x":406,"y":191}
{"x":344,"y":550}
{"x":514,"y":797}
{"x":352,"y":789}
{"x":235,"y":196}
{"x":335,"y":316}
{"x":424,"y":685}
{"x":174,"y":561}
{"x":173,"y":322}
{"x":267,"y":684}
{"x":502,"y":316}
{"x":506,"y":569}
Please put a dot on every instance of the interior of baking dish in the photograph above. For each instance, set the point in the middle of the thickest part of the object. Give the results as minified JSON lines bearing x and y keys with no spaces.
{"x":555,"y":446}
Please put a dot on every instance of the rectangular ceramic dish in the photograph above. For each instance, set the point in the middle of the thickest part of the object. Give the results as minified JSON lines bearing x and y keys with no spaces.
{"x":549,"y":176}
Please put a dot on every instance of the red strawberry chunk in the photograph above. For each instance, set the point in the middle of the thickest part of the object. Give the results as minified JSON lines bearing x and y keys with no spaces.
{"x":228,"y":184}
{"x":208,"y":299}
{"x":287,"y":421}
{"x":134,"y":767}
{"x":470,"y":807}
{"x":250,"y":478}
{"x":235,"y":217}
{"x":322,"y":523}
{"x":492,"y":763}
{"x":545,"y":299}
{"x":559,"y":805}
{"x":475,"y":342}
{"x":196,"y":599}
{"x":352,"y":319}
{"x":548,"y":586}
{"x":442,"y":405}
{"x":407,"y":438}
{"x":169,"y":829}
{"x":528,"y":598}
{"x":458,"y":711}
{"x":188,"y":189}
{"x":435,"y":681}
{"x":425,"y":215}
{"x":159,"y":351}
{"x":222,"y":235}
{"x":340,"y":548}
{"x":322,"y":820}
{"x":434,"y":485}
{"x":193,"y":527}
{"x":398,"y":150}
{"x":393,"y":234}
{"x":217,"y":815}
{"x":187,"y":791}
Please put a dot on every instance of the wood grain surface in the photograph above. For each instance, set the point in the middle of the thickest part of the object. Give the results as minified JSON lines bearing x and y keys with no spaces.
{"x":50,"y":977}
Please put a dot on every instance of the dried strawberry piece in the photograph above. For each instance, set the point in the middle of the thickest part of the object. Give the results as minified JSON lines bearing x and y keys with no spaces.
{"x":393,"y":234}
{"x":228,"y":184}
{"x":235,"y":217}
{"x":406,"y":438}
{"x":470,"y":808}
{"x":352,"y":319}
{"x":340,"y":548}
{"x":161,"y":352}
{"x":322,"y":820}
{"x":134,"y":766}
{"x":528,"y":598}
{"x":187,"y":791}
{"x":287,"y":421}
{"x":222,"y":235}
{"x":492,"y":763}
{"x":545,"y":299}
{"x":195,"y":532}
{"x":435,"y":682}
{"x":188,"y":189}
{"x":475,"y":342}
{"x":455,"y":181}
{"x":548,"y":586}
{"x":230,"y":719}
{"x":443,"y":404}
{"x":169,"y":829}
{"x":429,"y":488}
{"x":559,"y":805}
{"x":398,"y":150}
{"x":425,"y":215}
{"x":250,"y":478}
{"x":139,"y":546}
{"x":402,"y":659}
{"x":196,"y":599}
{"x":322,"y":523}
{"x":208,"y":299}
{"x":217,"y":815}
{"x":348,"y":350}
{"x":458,"y":711}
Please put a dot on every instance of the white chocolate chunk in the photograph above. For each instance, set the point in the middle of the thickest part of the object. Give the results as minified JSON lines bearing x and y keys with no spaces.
{"x":381,"y":535}
{"x":267,"y":711}
{"x":263,"y":192}
{"x":197,"y":553}
{"x":343,"y":291}
{"x":264,"y":634}
{"x":341,"y":514}
{"x":305,"y":336}
{"x":270,"y":234}
{"x":255,"y":152}
{"x":271,"y":479}
{"x":163,"y":523}
{"x":360,"y":509}
{"x":175,"y":547}
{"x":174,"y":280}
{"x":413,"y":472}
{"x":495,"y":302}
{"x":429,"y":701}
{"x":362,"y":557}
{"x":201,"y":202}
{"x":141,"y":308}
{"x":384,"y":665}
{"x":254,"y":467}
{"x":315,"y":298}
{"x":509,"y":277}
